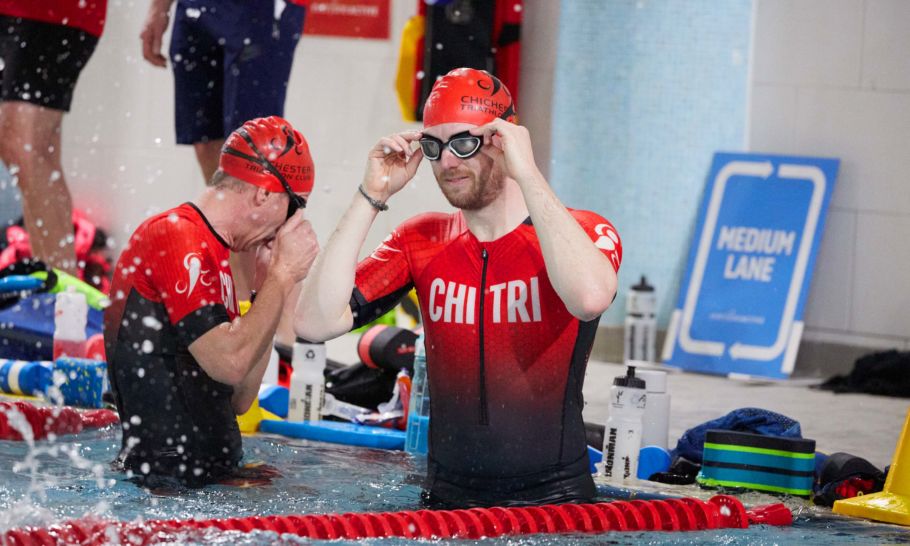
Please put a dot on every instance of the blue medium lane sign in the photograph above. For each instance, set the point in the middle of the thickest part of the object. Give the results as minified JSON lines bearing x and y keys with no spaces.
{"x":741,"y":304}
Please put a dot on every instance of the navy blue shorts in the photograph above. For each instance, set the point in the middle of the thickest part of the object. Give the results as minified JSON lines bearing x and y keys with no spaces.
{"x":231,"y":61}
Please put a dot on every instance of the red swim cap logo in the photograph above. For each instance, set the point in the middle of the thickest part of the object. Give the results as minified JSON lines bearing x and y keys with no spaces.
{"x":468,"y":95}
{"x":494,"y":86}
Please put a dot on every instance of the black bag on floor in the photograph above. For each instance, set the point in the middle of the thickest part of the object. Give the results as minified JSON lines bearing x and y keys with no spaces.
{"x":886,"y":373}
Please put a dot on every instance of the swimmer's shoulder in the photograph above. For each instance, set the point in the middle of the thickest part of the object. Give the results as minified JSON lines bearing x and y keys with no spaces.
{"x":438,"y":227}
{"x":585,"y":217}
{"x":181,"y":221}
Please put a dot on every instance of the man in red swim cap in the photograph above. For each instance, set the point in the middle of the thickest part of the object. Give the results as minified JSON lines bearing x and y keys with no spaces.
{"x":511,"y":287}
{"x":181,"y":361}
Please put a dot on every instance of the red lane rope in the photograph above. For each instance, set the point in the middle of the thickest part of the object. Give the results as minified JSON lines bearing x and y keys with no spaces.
{"x":44,"y":420}
{"x":721,"y":511}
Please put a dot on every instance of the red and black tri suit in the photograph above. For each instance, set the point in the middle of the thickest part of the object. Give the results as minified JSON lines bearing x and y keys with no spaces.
{"x":172,"y":284}
{"x":505,"y":358}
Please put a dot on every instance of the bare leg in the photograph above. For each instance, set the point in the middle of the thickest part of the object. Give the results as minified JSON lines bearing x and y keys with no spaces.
{"x":207,"y":153}
{"x":31,"y":142}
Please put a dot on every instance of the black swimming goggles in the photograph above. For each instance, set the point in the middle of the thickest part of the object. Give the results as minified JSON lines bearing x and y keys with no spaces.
{"x":295,"y":201}
{"x":462,"y":145}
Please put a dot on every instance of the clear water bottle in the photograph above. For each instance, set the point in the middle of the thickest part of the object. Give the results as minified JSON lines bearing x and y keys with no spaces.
{"x":641,"y":324}
{"x":622,"y":434}
{"x":307,"y":392}
{"x":656,"y":421}
{"x":70,"y":317}
{"x":344,"y":410}
{"x":416,"y":439}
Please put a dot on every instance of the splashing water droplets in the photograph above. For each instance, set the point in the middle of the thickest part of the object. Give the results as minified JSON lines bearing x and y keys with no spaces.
{"x":151,"y":322}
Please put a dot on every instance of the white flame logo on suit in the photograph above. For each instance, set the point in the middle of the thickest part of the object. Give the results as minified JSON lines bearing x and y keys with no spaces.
{"x":193,"y":264}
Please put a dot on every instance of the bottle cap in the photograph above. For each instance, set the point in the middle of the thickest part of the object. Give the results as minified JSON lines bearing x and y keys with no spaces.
{"x":629,"y":380}
{"x":643,"y":286}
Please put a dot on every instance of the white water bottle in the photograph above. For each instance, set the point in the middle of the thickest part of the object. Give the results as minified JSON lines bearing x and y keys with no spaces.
{"x":622,"y":434}
{"x":307,"y":392}
{"x":656,"y":421}
{"x":70,"y":317}
{"x":641,"y":324}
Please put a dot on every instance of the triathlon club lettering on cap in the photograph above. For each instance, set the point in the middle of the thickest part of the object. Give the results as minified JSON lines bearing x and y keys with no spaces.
{"x":260,"y":145}
{"x":468,"y":95}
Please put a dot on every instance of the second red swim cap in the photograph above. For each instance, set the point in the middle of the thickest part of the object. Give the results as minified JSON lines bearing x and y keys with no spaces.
{"x":468,"y":95}
{"x":262,"y":144}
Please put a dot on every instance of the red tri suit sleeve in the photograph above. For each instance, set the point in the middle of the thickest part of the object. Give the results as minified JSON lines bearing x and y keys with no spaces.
{"x":382,"y":278}
{"x":188,"y":269}
{"x":602,"y":234}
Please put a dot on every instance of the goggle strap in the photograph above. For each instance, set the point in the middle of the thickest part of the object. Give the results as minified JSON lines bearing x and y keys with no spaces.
{"x":264,"y":161}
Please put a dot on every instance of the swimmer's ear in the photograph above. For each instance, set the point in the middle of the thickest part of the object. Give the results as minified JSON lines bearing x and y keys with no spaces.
{"x":260,"y":196}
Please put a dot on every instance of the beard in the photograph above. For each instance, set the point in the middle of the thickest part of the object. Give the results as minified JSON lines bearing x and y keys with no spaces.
{"x":481,"y":189}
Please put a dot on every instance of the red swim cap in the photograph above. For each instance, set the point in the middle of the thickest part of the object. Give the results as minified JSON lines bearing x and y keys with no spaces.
{"x":260,"y":147}
{"x":468,"y":95}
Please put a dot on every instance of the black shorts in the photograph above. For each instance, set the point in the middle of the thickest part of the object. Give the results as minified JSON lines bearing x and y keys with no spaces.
{"x":231,"y":61}
{"x":40,"y":62}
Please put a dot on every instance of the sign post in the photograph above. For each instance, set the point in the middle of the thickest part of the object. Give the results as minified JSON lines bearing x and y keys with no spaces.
{"x":741,"y":304}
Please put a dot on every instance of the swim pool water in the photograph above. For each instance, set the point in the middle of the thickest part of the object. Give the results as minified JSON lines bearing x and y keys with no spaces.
{"x":70,"y":478}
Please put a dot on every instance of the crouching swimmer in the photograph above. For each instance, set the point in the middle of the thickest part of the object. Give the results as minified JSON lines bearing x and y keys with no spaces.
{"x":182,"y":363}
{"x":511,"y":287}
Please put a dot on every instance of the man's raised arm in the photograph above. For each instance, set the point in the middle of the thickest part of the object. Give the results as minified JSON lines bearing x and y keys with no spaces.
{"x":323,"y":311}
{"x":580,"y":272}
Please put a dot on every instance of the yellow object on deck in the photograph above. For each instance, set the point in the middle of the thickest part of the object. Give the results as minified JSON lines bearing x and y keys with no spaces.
{"x":249,"y":421}
{"x":891,"y":505}
{"x":411,"y":42}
